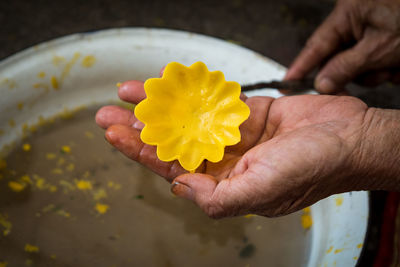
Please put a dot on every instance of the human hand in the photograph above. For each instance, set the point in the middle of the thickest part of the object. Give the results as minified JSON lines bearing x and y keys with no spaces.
{"x":294,"y":151}
{"x":360,"y":40}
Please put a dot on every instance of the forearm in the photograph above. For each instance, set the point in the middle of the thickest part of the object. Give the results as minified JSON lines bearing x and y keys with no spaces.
{"x":380,"y":151}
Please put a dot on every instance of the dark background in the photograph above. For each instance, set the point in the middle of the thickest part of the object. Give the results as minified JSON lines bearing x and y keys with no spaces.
{"x":276,"y":29}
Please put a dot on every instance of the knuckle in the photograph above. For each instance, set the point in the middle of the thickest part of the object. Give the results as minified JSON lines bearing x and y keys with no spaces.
{"x":214,"y":209}
{"x":316,"y":47}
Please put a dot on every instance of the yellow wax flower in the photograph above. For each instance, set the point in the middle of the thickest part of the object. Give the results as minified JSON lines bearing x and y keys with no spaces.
{"x":191,"y":114}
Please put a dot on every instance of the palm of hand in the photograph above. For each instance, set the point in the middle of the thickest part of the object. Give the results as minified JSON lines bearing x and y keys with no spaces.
{"x":287,"y":146}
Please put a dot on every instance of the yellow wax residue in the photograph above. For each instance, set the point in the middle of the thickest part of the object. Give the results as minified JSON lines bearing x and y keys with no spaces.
{"x":28,"y":128}
{"x":67,"y":186}
{"x":118,"y":84}
{"x":86,"y":174}
{"x":63,"y":213}
{"x":54,"y":83}
{"x":26,"y":147}
{"x":338,"y":250}
{"x":60,"y":161}
{"x":69,"y":65}
{"x":31,"y":248}
{"x":306,"y":219}
{"x":42,"y":121}
{"x":52,"y":188}
{"x":102,"y":208}
{"x":249,"y":216}
{"x":50,"y":156}
{"x":3,"y":164}
{"x":329,"y":250}
{"x":233,"y":41}
{"x":20,"y":105}
{"x":67,"y":114}
{"x":66,"y":149}
{"x":359,"y":245}
{"x":6,"y":224}
{"x":57,"y":171}
{"x":41,"y":74}
{"x":53,"y":257}
{"x":11,"y":83}
{"x":26,"y":179}
{"x":32,"y":128}
{"x":16,"y":186}
{"x":355,"y":258}
{"x":89,"y":135}
{"x":3,"y":264}
{"x":113,"y":185}
{"x":99,"y":194}
{"x":41,"y":86}
{"x":88,"y":61}
{"x":84,"y":185}
{"x":11,"y":122}
{"x":307,"y":210}
{"x":339,"y":201}
{"x":40,"y":183}
{"x":70,"y":167}
{"x":57,"y":60}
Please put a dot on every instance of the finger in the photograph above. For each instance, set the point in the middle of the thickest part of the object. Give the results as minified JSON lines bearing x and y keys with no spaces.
{"x":217,"y":199}
{"x":342,"y":68}
{"x":132,"y":91}
{"x":127,"y":140}
{"x":109,"y":115}
{"x":251,"y":129}
{"x":325,"y":40}
{"x":162,"y":71}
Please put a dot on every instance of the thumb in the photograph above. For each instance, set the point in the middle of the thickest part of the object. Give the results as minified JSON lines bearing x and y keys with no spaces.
{"x":216,"y":199}
{"x":342,"y":68}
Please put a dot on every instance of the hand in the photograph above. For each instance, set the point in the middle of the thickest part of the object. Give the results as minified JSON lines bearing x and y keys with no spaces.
{"x":359,"y":40}
{"x":294,"y":151}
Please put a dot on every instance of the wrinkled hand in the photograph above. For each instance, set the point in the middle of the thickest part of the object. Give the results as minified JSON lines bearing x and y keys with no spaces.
{"x":360,"y":40}
{"x":294,"y":151}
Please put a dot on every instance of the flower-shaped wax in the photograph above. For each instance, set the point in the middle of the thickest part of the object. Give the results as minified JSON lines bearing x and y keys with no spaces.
{"x":191,"y":114}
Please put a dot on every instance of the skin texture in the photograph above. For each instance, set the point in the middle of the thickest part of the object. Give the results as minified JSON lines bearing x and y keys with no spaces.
{"x":360,"y":40}
{"x":294,"y":151}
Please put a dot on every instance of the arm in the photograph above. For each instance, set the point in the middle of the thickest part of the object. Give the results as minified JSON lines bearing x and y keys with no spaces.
{"x":380,"y":151}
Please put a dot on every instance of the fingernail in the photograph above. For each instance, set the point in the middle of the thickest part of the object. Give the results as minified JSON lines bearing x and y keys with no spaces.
{"x":325,"y":85}
{"x":110,"y":136}
{"x":182,"y":190}
{"x":138,"y":125}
